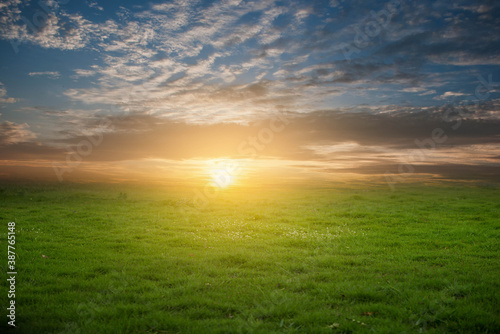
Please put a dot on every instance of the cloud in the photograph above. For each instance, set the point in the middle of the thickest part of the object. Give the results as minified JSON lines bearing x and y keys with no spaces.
{"x":169,"y":57}
{"x":388,"y":131}
{"x":65,"y":32}
{"x":413,"y":89}
{"x":437,"y":172}
{"x":83,"y":73}
{"x":364,"y":141}
{"x":460,"y":38}
{"x":13,"y":133}
{"x":429,"y":92}
{"x":447,"y":95}
{"x":48,"y":25}
{"x":201,"y":39}
{"x":50,"y":75}
{"x":3,"y":95}
{"x":95,"y":5}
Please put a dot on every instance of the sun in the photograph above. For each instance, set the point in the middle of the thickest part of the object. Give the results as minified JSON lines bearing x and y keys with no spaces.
{"x":222,"y":178}
{"x":223,"y":173}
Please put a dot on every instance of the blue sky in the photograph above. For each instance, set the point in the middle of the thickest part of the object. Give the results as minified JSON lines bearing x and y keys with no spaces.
{"x":360,"y":81}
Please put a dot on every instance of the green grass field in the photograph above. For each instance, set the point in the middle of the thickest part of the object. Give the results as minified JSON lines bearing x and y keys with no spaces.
{"x":124,"y":259}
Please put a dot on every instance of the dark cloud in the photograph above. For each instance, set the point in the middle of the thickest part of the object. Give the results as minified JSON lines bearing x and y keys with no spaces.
{"x":398,"y":129}
{"x":437,"y":171}
{"x":31,"y":151}
{"x":149,"y":136}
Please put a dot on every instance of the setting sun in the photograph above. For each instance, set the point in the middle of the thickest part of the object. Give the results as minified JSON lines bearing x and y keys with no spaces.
{"x":223,"y":173}
{"x":222,"y":178}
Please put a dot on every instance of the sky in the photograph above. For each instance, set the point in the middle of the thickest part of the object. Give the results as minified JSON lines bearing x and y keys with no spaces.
{"x":282,"y":91}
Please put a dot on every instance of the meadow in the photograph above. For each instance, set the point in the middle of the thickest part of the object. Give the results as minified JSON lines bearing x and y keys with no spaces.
{"x":296,"y":259}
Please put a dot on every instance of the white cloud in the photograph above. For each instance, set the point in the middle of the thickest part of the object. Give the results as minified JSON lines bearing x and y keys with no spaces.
{"x":413,"y":89}
{"x":481,"y":9}
{"x":95,"y":5}
{"x":50,"y":75}
{"x":466,"y":59}
{"x":133,"y":77}
{"x":429,"y":92}
{"x":447,"y":95}
{"x":59,"y":31}
{"x":83,"y":73}
{"x":178,"y":58}
{"x":3,"y":95}
{"x":13,"y":133}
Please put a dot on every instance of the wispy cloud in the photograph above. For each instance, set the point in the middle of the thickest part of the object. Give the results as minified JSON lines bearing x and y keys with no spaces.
{"x":95,"y":5}
{"x":48,"y":74}
{"x":79,"y":73}
{"x":181,"y":51}
{"x":448,"y":95}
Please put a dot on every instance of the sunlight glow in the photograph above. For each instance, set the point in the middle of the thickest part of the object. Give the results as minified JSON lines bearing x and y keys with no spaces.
{"x":223,"y":173}
{"x":222,"y":178}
